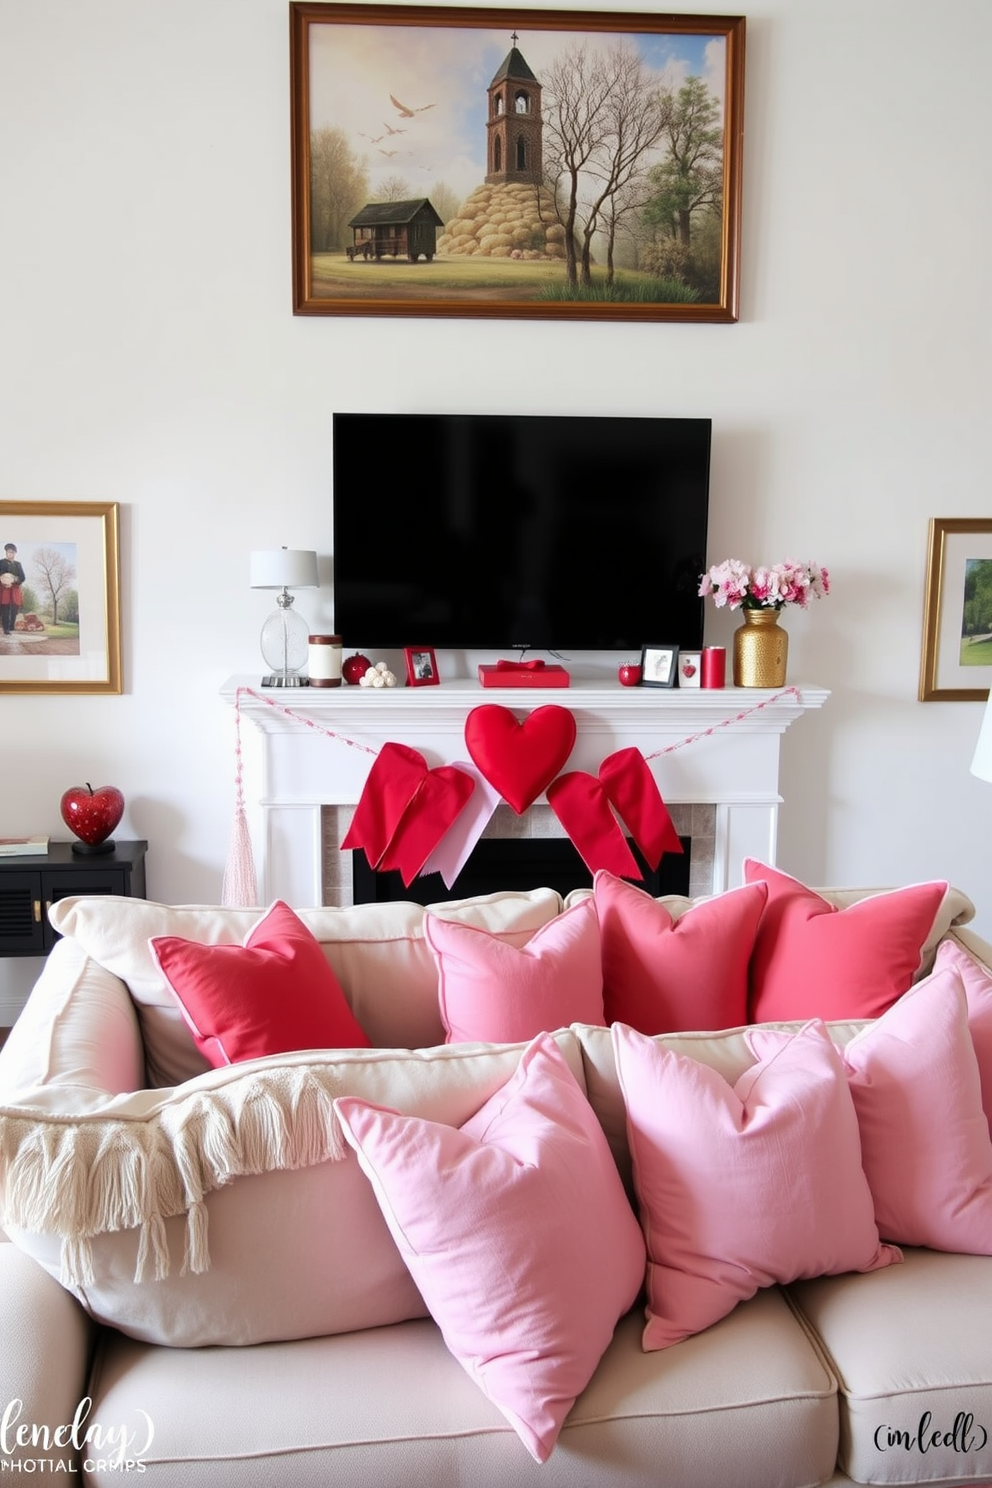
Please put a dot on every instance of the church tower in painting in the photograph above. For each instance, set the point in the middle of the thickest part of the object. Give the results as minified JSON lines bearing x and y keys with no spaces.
{"x":514,"y":146}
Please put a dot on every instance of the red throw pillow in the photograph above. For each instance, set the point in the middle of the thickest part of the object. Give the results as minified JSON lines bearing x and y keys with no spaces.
{"x":662,"y":975}
{"x":274,"y":994}
{"x":813,"y":960}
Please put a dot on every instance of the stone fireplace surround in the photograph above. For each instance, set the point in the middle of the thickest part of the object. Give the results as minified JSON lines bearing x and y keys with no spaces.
{"x":306,"y":753}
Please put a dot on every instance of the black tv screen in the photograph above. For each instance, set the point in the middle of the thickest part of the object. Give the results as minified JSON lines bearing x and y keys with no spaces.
{"x":495,"y":532}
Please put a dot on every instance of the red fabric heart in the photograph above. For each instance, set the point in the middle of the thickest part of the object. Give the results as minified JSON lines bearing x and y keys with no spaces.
{"x":439,"y":798}
{"x":520,"y":760}
{"x":580,"y":803}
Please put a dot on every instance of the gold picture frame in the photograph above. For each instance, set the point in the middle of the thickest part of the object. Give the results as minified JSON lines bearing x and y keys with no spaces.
{"x":421,"y":188}
{"x":959,"y":557}
{"x":61,"y":630}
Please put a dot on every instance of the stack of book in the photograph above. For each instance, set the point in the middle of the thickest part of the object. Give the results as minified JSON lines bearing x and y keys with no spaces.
{"x":23,"y":847}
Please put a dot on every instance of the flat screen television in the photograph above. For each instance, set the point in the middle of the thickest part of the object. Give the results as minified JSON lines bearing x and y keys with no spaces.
{"x":519,"y":532}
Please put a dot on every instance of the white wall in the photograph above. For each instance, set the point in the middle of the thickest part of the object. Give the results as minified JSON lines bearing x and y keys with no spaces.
{"x":148,"y":355}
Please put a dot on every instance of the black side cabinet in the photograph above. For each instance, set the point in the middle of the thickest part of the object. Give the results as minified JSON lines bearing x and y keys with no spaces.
{"x":29,"y":885}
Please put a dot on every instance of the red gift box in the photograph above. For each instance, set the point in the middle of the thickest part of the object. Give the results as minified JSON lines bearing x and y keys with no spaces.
{"x":524,"y":674}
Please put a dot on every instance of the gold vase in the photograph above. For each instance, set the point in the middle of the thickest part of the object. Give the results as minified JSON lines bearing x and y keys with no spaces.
{"x":761,"y":650}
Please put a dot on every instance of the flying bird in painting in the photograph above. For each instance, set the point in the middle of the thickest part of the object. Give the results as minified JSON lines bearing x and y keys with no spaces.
{"x":388,"y":153}
{"x":390,"y":130}
{"x":408,"y":113}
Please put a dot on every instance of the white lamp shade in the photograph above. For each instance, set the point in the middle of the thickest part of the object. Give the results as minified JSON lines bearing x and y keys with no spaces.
{"x":981,"y":765}
{"x":284,"y":568}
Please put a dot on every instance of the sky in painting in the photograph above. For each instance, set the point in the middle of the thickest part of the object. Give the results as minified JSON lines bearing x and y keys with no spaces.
{"x":442,"y":75}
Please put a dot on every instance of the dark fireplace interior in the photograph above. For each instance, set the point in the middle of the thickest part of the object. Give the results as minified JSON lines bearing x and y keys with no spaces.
{"x":519,"y":863}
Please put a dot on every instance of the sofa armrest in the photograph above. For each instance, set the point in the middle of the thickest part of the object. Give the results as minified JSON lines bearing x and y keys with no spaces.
{"x":980,"y":949}
{"x":44,"y":1361}
{"x":77,"y":1029}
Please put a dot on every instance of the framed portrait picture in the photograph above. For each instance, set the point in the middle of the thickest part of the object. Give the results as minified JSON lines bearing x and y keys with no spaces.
{"x":60,"y":620}
{"x":957,"y":612}
{"x":546,"y":164}
{"x":421,"y":667}
{"x":659,"y":666}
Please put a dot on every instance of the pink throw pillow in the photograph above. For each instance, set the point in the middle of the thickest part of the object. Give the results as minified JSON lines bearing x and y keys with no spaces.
{"x":978,"y":990}
{"x":925,"y":1145}
{"x":498,"y":993}
{"x":742,"y":1186}
{"x":662,"y":975}
{"x":813,"y":960}
{"x":517,"y":1232}
{"x":274,"y":994}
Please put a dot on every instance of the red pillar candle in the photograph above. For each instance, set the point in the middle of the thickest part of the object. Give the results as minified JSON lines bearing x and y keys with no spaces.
{"x":714,"y":667}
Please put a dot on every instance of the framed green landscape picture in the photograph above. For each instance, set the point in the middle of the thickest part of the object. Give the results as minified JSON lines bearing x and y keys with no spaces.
{"x":525,"y":164}
{"x":957,"y":613}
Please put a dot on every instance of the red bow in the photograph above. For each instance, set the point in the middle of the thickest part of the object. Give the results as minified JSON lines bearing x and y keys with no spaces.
{"x":582,"y":804}
{"x":406,"y":809}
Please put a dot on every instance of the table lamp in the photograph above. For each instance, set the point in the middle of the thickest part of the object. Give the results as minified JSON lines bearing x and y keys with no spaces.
{"x":981,"y":765}
{"x":285,"y":634}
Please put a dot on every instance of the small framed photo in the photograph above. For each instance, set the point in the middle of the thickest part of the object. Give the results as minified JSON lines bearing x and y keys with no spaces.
{"x":690,"y":668}
{"x":421,"y":666}
{"x":659,"y":666}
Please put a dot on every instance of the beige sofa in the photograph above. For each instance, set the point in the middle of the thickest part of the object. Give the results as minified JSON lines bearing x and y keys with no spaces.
{"x":274,"y":1336}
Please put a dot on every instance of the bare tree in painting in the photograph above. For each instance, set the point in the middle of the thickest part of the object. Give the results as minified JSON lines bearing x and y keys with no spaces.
{"x":605,"y":116}
{"x":54,"y":574}
{"x":636,"y":118}
{"x":576,"y":91}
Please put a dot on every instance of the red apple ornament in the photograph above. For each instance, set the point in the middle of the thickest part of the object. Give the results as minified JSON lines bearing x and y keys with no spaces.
{"x":92,"y":815}
{"x":629,"y":673}
{"x":353,"y":669}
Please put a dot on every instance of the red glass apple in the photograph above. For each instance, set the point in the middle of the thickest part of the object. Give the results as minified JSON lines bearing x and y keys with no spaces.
{"x":629,"y":673}
{"x":92,"y":815}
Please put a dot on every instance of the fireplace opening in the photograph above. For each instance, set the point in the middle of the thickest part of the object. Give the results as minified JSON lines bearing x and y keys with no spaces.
{"x":519,"y":863}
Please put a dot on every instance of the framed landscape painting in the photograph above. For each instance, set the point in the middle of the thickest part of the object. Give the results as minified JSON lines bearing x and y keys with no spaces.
{"x":60,"y":626}
{"x":957,"y":614}
{"x":524,"y":164}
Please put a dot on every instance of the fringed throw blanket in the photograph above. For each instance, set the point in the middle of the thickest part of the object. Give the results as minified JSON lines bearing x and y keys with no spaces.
{"x":81,"y":1176}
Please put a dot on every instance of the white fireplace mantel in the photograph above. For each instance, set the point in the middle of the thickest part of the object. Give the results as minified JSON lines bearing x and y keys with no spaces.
{"x":308,"y":748}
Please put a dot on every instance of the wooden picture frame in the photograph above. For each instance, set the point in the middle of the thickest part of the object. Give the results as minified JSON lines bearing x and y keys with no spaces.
{"x":956,"y":665}
{"x":421,"y":667}
{"x":418,"y":191}
{"x":659,"y":666}
{"x":66,"y":634}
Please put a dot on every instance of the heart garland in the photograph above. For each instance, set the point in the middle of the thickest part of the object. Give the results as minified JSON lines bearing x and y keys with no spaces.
{"x":519,"y":760}
{"x":407,"y":815}
{"x":405,"y":809}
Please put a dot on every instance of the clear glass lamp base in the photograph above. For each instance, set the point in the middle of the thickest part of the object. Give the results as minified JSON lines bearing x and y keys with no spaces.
{"x":285,"y":642}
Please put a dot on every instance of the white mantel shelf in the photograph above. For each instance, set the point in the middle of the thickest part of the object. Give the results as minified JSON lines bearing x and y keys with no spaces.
{"x":293,"y":768}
